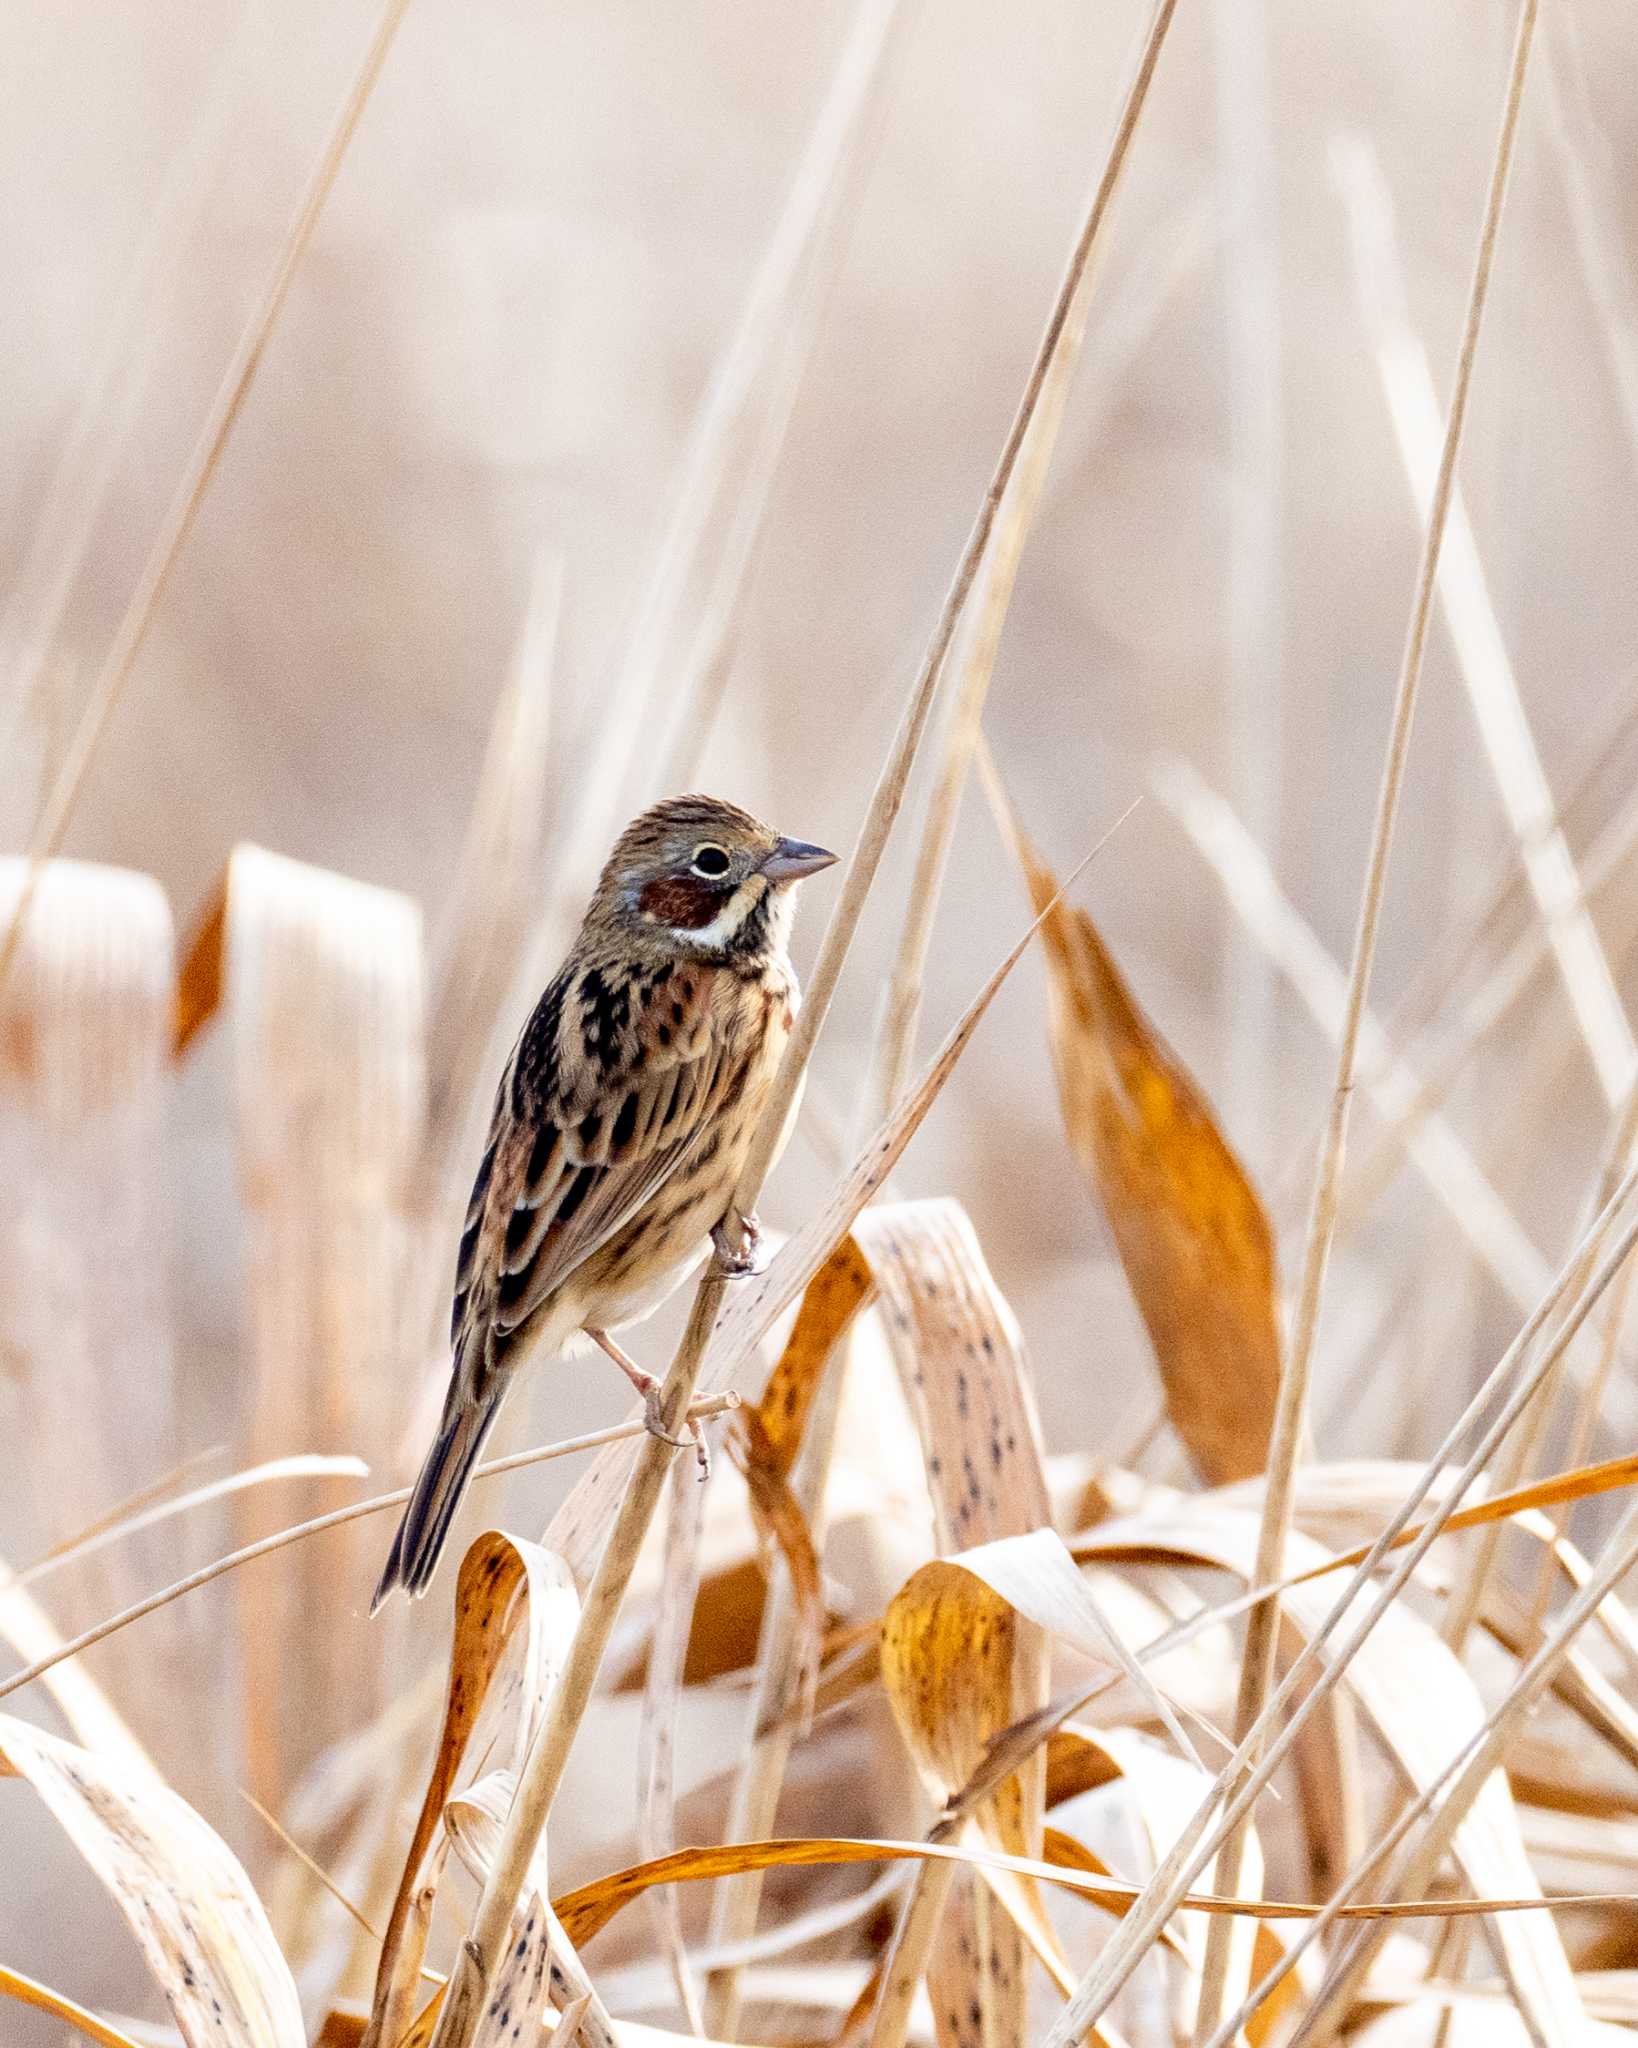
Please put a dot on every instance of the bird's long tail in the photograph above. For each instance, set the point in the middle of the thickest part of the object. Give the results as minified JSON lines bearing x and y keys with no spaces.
{"x":462,"y":1431}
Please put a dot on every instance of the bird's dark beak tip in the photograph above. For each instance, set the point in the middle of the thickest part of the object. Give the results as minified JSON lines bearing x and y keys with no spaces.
{"x":791,"y":859}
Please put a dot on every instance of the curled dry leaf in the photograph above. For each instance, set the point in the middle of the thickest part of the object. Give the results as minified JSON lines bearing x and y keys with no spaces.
{"x":790,"y":1627}
{"x":588,"y":1909}
{"x":1190,"y":1228}
{"x":497,"y":1571}
{"x":183,"y":1893}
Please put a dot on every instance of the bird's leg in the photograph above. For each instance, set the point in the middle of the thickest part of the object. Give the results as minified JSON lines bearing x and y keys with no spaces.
{"x":649,"y":1387}
{"x":738,"y":1240}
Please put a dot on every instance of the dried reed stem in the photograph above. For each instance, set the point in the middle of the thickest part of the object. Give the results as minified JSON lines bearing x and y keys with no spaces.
{"x":548,"y":1757}
{"x":1486,"y":1743}
{"x":705,"y":1407}
{"x":52,"y":821}
{"x":1190,"y":1854}
{"x":1481,"y":651}
{"x":897,"y":1040}
{"x":1291,"y":1408}
{"x":776,"y":1707}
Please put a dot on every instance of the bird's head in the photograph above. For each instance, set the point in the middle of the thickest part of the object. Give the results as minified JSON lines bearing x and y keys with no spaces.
{"x":699,"y":876}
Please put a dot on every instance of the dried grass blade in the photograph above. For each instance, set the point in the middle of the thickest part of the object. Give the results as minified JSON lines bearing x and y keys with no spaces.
{"x":303,"y":1465}
{"x":959,"y":1661}
{"x":25,"y":1991}
{"x":184,"y":1896}
{"x":501,"y":1580}
{"x":588,"y":1909}
{"x":1481,"y":651}
{"x":1191,"y":1231}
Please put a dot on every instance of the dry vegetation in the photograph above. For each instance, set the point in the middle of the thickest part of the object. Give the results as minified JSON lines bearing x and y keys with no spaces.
{"x":1281,"y":1688}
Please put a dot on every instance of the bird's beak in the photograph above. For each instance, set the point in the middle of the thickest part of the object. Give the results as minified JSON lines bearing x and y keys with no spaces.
{"x":791,"y":859}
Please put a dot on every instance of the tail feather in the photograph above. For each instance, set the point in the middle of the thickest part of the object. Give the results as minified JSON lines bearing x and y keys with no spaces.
{"x":439,"y":1491}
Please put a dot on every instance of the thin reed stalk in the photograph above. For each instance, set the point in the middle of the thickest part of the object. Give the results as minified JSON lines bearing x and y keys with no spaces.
{"x":707,"y":1406}
{"x":548,"y":1757}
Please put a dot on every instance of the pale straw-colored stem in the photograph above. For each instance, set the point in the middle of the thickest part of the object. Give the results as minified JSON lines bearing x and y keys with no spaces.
{"x":1468,"y":1768}
{"x":714,"y":1404}
{"x":992,"y":598}
{"x":775,"y":1712}
{"x":543,"y":1769}
{"x":1291,"y":1408}
{"x":1482,"y":658}
{"x":1195,"y":1846}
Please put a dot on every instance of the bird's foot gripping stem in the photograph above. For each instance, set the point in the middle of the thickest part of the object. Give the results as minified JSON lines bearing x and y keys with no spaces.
{"x":738,"y":1242}
{"x":650,"y":1389}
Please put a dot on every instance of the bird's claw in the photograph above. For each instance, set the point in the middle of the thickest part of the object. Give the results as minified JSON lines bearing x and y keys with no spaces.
{"x":654,"y":1422}
{"x":740,"y":1256}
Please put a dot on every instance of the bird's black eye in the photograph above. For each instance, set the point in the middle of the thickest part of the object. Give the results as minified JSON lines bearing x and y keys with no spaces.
{"x":710,"y":861}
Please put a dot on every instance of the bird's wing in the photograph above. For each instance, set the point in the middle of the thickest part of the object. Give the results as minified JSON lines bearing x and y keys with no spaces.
{"x":606,"y":1092}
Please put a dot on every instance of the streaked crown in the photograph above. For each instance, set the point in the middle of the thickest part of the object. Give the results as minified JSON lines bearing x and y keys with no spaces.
{"x":698,"y":875}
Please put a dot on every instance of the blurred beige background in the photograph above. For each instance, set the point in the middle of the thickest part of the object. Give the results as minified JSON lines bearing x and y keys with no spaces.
{"x":537,"y":249}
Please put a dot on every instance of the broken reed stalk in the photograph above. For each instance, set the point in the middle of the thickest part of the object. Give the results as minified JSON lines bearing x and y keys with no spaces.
{"x":548,"y":1756}
{"x":52,"y":821}
{"x":1291,"y":1409}
{"x":708,"y":1405}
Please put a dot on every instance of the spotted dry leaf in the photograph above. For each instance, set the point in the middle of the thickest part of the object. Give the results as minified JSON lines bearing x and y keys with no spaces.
{"x":959,"y":1662}
{"x":1191,"y":1232}
{"x":183,"y":1893}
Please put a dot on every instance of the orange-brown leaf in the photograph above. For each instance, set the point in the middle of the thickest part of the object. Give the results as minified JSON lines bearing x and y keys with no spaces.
{"x":1191,"y":1231}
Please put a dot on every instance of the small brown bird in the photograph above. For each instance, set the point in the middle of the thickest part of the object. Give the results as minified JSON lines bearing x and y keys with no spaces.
{"x":620,"y":1125}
